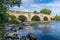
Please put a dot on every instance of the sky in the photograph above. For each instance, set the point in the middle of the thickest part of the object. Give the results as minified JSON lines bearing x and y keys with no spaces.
{"x":32,"y":5}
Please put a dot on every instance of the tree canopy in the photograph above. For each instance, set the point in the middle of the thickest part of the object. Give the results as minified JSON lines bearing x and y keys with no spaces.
{"x":4,"y":5}
{"x":57,"y":18}
{"x":13,"y":19}
{"x":45,"y":11}
{"x":35,"y":11}
{"x":3,"y":14}
{"x":11,"y":2}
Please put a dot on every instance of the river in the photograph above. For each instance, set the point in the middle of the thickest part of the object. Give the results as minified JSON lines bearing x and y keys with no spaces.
{"x":43,"y":31}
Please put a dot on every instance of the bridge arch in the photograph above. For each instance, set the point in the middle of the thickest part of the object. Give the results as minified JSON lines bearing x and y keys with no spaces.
{"x":35,"y":18}
{"x":52,"y":18}
{"x":22,"y":18}
{"x":45,"y":18}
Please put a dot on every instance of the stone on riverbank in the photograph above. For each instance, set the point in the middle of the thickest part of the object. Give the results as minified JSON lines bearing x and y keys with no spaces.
{"x":31,"y":36}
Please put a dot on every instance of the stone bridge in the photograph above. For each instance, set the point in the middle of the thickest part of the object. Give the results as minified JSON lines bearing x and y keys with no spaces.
{"x":30,"y":16}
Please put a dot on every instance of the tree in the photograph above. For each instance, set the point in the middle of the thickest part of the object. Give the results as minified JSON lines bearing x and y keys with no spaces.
{"x":45,"y":11}
{"x":4,"y":5}
{"x":57,"y":18}
{"x":35,"y":11}
{"x":11,"y":2}
{"x":3,"y":14}
{"x":13,"y":20}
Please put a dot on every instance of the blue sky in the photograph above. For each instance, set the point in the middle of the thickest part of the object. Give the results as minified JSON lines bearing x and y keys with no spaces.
{"x":31,"y":5}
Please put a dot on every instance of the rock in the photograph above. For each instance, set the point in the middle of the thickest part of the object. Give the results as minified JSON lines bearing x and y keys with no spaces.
{"x":20,"y":28}
{"x":23,"y":38}
{"x":15,"y":30}
{"x":9,"y":37}
{"x":31,"y":36}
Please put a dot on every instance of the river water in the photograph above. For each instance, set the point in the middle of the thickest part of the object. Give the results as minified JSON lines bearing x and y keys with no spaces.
{"x":43,"y":31}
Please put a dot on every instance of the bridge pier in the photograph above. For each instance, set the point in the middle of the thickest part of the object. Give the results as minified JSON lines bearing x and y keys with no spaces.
{"x":29,"y":15}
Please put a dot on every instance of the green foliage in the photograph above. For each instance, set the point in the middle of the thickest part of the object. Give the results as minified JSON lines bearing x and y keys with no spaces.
{"x":11,"y":2}
{"x":3,"y":14}
{"x":35,"y":11}
{"x":4,"y":5}
{"x":13,"y":20}
{"x":33,"y":23}
{"x":57,"y":18}
{"x":45,"y":11}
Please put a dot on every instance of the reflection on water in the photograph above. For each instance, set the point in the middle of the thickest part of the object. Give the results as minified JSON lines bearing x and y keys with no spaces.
{"x":45,"y":27}
{"x":43,"y":31}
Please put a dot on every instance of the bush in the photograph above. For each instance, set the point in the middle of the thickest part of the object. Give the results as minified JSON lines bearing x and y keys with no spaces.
{"x":13,"y":20}
{"x":57,"y":18}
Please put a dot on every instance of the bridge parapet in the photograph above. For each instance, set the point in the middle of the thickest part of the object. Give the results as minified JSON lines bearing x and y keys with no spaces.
{"x":30,"y":15}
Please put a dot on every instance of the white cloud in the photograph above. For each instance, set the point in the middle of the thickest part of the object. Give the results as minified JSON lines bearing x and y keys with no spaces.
{"x":27,"y":0}
{"x":54,"y":7}
{"x":28,"y":5}
{"x":16,"y":7}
